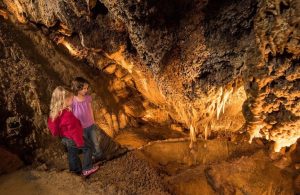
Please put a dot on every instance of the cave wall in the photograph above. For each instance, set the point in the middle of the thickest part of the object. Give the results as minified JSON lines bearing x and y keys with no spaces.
{"x":200,"y":65}
{"x":192,"y":62}
{"x":272,"y":76}
{"x":31,"y":67}
{"x":24,"y":91}
{"x":176,"y":54}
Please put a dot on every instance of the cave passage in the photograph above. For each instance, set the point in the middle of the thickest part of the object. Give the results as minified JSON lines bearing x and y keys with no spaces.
{"x":188,"y":96}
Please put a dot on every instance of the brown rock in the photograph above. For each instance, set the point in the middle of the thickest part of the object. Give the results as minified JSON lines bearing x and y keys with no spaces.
{"x":9,"y":162}
{"x":250,"y":175}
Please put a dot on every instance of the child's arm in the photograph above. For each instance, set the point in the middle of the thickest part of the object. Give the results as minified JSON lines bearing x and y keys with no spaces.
{"x":53,"y":126}
{"x":75,"y":129}
{"x":90,"y":107}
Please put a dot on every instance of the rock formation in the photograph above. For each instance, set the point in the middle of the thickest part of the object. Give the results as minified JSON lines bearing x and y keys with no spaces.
{"x":272,"y":76}
{"x":203,"y":65}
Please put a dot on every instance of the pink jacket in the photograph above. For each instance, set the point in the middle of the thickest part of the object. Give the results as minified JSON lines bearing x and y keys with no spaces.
{"x":67,"y":125}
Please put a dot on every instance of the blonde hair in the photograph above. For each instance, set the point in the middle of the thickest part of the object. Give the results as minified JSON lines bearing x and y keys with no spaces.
{"x":57,"y":104}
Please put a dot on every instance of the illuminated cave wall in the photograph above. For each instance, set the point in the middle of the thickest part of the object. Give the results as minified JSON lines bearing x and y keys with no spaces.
{"x":272,"y":78}
{"x":195,"y":63}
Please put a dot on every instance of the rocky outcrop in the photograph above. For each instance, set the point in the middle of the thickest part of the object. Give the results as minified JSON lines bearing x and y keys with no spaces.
{"x":272,"y":77}
{"x":196,"y":67}
{"x":193,"y":63}
{"x":31,"y":67}
{"x":235,"y":177}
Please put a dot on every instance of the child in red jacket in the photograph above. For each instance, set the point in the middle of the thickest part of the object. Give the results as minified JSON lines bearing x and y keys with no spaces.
{"x":64,"y":124}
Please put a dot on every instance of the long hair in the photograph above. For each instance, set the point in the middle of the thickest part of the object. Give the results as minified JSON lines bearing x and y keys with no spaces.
{"x":57,"y":104}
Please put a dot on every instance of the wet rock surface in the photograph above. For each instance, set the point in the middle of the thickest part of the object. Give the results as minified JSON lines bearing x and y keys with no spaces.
{"x":217,"y":167}
{"x":250,"y":175}
{"x":248,"y":172}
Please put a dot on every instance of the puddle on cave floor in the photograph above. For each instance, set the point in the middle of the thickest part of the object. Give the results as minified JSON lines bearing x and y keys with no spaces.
{"x":217,"y":167}
{"x":165,"y":167}
{"x":137,"y":137}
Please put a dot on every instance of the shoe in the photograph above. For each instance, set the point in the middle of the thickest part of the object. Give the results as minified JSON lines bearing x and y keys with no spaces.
{"x":90,"y":171}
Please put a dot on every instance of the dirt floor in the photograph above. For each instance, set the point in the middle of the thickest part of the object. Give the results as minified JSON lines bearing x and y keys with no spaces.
{"x":125,"y":175}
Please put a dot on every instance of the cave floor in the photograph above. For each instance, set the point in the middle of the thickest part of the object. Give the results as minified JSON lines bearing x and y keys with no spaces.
{"x":166,"y":167}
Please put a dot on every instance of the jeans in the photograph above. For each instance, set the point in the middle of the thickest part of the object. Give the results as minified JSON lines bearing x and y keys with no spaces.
{"x":73,"y":156}
{"x":90,"y":134}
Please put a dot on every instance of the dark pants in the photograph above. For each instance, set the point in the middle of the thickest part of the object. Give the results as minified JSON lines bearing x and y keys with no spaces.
{"x":73,"y":156}
{"x":90,"y":134}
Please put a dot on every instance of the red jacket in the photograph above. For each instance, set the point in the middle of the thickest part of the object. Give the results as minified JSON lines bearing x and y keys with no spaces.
{"x":67,"y":125}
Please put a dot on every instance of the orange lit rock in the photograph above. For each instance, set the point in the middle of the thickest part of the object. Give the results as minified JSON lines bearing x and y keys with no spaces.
{"x":156,"y":115}
{"x":4,"y":14}
{"x":115,"y":123}
{"x":110,"y":69}
{"x":120,"y":72}
{"x":123,"y":120}
{"x":117,"y":85}
{"x":176,"y":127}
{"x":196,"y":63}
{"x":234,"y":177}
{"x":132,"y":109}
{"x":273,"y":90}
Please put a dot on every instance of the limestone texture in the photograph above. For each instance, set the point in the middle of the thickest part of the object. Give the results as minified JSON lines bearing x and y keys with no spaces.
{"x":197,"y":66}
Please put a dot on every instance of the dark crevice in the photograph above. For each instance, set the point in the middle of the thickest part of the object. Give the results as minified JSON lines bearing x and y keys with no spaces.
{"x":99,"y":9}
{"x":131,"y":49}
{"x":283,"y":7}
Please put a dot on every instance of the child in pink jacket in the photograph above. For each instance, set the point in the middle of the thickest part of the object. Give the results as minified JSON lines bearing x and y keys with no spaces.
{"x":64,"y":124}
